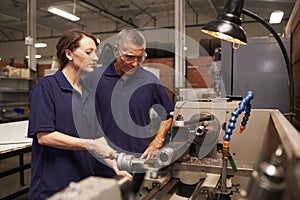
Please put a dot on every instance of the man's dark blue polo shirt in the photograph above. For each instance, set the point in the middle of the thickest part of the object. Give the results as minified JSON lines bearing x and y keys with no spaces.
{"x":51,"y":104}
{"x":123,"y":108}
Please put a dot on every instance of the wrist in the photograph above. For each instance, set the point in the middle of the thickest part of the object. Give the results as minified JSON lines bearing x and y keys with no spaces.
{"x":89,"y":144}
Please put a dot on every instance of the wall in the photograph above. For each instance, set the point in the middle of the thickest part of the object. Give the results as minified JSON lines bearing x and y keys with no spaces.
{"x":18,"y":50}
{"x":259,"y":67}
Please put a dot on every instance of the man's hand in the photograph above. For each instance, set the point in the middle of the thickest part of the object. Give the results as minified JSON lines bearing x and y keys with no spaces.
{"x":159,"y":140}
{"x":153,"y":148}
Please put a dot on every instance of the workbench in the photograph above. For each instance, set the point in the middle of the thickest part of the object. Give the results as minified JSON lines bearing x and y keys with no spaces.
{"x":13,"y":142}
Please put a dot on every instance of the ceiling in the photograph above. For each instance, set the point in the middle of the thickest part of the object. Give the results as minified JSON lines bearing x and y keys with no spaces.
{"x":110,"y":16}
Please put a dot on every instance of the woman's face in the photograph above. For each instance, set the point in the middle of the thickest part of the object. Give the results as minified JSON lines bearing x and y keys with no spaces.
{"x":84,"y":57}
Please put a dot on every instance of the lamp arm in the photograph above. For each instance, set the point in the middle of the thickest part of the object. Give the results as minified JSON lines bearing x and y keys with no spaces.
{"x":284,"y":52}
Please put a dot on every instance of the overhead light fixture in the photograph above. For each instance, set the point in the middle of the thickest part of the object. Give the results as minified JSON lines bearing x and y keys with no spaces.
{"x":228,"y":27}
{"x":276,"y":17}
{"x":37,"y":56}
{"x":62,"y":13}
{"x":40,"y":45}
{"x":98,"y":41}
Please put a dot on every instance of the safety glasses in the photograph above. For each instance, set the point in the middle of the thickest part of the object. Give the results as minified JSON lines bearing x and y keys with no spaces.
{"x":130,"y":58}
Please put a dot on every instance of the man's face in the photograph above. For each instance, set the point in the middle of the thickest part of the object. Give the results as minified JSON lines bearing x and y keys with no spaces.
{"x":129,"y":57}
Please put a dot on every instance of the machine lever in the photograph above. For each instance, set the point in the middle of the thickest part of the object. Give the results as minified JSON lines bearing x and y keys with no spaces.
{"x":201,"y":119}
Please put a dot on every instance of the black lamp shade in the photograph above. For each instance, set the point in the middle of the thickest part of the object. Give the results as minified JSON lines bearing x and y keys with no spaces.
{"x":228,"y":24}
{"x":226,"y":30}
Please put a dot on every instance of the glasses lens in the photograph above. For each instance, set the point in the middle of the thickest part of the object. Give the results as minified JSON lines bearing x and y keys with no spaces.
{"x":132,"y":58}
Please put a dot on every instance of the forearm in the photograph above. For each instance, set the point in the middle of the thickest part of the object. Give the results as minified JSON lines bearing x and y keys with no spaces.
{"x":160,"y":137}
{"x":62,"y":141}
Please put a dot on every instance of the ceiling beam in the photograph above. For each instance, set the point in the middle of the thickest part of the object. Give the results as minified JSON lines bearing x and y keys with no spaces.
{"x":108,"y":14}
{"x":143,"y":10}
{"x":213,"y":7}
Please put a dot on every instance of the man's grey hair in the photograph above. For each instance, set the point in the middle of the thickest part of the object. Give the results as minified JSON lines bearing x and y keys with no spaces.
{"x":130,"y":35}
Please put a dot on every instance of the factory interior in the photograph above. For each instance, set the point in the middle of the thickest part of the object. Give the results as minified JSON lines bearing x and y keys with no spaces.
{"x":231,"y":72}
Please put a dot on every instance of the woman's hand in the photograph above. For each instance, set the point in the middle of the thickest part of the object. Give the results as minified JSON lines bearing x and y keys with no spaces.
{"x":125,"y":174}
{"x":113,"y":164}
{"x":105,"y":150}
{"x":101,"y":148}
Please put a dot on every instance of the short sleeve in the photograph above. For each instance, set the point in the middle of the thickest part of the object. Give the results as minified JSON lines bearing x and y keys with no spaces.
{"x":42,"y":109}
{"x":162,"y":98}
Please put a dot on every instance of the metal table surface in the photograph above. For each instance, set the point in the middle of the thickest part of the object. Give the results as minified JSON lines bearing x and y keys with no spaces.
{"x":13,"y":142}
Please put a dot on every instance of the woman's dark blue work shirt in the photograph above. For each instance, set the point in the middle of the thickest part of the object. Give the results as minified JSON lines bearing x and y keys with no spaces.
{"x":51,"y":110}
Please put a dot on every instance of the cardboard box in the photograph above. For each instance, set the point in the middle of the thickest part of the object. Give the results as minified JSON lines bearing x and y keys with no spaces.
{"x":14,"y":72}
{"x":25,"y":73}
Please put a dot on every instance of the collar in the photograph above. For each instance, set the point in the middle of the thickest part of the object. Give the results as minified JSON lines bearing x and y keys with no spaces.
{"x":111,"y":71}
{"x":62,"y":81}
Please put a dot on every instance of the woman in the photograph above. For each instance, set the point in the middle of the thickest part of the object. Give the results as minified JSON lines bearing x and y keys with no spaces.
{"x":59,"y":155}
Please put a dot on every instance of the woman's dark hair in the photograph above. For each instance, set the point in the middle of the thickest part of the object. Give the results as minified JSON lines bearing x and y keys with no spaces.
{"x":69,"y":40}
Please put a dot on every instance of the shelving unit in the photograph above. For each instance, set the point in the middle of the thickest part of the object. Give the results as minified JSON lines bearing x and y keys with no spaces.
{"x":14,"y":98}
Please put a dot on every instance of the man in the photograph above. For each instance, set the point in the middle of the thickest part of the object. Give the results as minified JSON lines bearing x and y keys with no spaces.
{"x":125,"y":93}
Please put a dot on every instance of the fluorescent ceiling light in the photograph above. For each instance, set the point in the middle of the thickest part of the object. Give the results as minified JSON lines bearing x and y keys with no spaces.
{"x":62,"y":13}
{"x":40,"y":45}
{"x":36,"y":56}
{"x":276,"y":17}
